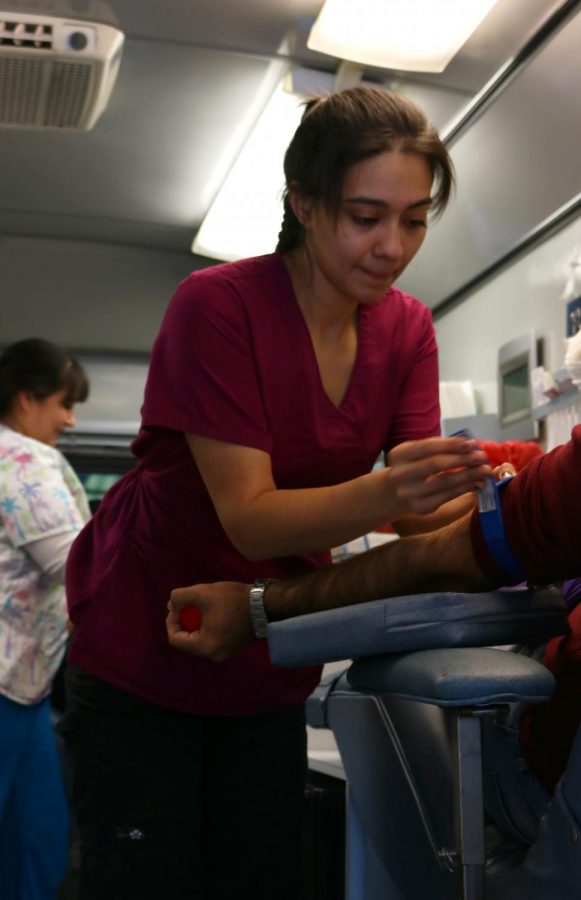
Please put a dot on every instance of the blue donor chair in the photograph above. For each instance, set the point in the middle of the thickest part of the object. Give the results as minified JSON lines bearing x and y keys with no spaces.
{"x":439,"y":802}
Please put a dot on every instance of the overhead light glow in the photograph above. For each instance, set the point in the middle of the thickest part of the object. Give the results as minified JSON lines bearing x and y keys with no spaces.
{"x":246,"y":215}
{"x":413,"y":35}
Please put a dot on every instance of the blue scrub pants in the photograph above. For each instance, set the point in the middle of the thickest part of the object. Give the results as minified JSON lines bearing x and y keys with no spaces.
{"x":34,"y":816}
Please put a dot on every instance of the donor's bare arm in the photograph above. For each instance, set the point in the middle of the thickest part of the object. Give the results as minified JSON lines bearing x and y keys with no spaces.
{"x":436,"y":561}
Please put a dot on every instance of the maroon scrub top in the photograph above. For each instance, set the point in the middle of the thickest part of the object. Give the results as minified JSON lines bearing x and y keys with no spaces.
{"x":234,"y":361}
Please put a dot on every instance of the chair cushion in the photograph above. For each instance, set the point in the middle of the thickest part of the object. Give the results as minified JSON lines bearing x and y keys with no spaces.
{"x":454,"y":677}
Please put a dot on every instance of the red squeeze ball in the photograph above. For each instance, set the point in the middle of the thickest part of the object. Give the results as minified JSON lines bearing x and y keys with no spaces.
{"x":190,"y":618}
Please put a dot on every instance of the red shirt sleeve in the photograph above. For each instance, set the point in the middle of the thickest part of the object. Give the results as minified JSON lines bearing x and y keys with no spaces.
{"x":540,"y":509}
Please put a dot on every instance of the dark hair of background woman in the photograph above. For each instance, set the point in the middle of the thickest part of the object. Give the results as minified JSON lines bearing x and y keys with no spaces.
{"x":41,"y":369}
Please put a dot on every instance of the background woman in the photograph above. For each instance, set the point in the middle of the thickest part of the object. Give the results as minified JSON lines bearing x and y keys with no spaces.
{"x":42,"y":507}
{"x":274,"y":384}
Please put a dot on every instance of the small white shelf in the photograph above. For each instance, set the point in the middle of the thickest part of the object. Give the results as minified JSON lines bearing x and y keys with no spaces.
{"x":569,"y":398}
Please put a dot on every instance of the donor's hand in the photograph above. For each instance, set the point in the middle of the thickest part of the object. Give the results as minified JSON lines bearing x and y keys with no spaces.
{"x":225,"y":625}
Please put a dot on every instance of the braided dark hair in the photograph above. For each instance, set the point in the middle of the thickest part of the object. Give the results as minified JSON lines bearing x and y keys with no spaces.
{"x":342,"y":129}
{"x":291,"y":230}
{"x":40,"y":368}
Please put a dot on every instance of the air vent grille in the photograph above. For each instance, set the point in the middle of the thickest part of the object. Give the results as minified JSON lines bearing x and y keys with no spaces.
{"x":45,"y":93}
{"x":54,"y":72}
{"x":67,"y":94}
{"x":26,"y":34}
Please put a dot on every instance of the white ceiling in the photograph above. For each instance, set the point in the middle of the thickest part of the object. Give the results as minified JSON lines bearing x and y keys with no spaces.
{"x":95,"y":228}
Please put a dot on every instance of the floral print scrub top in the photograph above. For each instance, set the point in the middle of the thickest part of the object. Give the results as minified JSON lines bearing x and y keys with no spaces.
{"x":40,"y":496}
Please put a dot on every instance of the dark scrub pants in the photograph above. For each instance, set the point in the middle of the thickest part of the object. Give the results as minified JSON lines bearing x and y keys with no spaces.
{"x":184,"y":807}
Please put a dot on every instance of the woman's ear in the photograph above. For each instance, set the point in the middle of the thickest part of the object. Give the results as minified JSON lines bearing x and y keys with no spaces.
{"x":301,"y":206}
{"x":23,"y":401}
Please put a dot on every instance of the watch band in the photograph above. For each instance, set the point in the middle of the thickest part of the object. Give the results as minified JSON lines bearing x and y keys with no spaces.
{"x":257,"y":611}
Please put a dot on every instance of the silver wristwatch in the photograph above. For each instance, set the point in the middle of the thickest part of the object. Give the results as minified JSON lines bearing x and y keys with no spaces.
{"x":257,"y":613}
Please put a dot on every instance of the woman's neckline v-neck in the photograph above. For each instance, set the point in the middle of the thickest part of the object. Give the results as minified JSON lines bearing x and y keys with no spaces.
{"x":302,"y":322}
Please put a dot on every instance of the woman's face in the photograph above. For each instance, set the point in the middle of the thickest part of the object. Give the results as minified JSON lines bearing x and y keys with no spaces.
{"x":47,"y":418}
{"x":380,"y":227}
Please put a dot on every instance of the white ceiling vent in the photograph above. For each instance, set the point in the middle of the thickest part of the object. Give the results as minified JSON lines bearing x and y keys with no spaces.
{"x":55,"y":73}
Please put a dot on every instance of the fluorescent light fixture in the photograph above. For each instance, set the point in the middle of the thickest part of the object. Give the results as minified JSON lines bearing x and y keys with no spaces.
{"x":415,"y":35}
{"x":246,"y":215}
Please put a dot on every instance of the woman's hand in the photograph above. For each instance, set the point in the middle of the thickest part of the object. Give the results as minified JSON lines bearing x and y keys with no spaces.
{"x":226,"y":625}
{"x":424,"y":474}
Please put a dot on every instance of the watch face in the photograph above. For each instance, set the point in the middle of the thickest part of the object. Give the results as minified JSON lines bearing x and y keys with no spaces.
{"x":258,"y":588}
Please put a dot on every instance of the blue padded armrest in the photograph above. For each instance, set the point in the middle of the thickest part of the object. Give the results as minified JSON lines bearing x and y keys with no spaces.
{"x":417,"y":622}
{"x":454,"y":677}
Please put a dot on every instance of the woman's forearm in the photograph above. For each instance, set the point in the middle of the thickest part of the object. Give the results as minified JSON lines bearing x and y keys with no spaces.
{"x":264,"y":522}
{"x":294,"y":522}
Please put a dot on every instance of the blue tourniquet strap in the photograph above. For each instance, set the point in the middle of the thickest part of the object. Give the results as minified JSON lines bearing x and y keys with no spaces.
{"x":492,"y":522}
{"x":493,"y":527}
